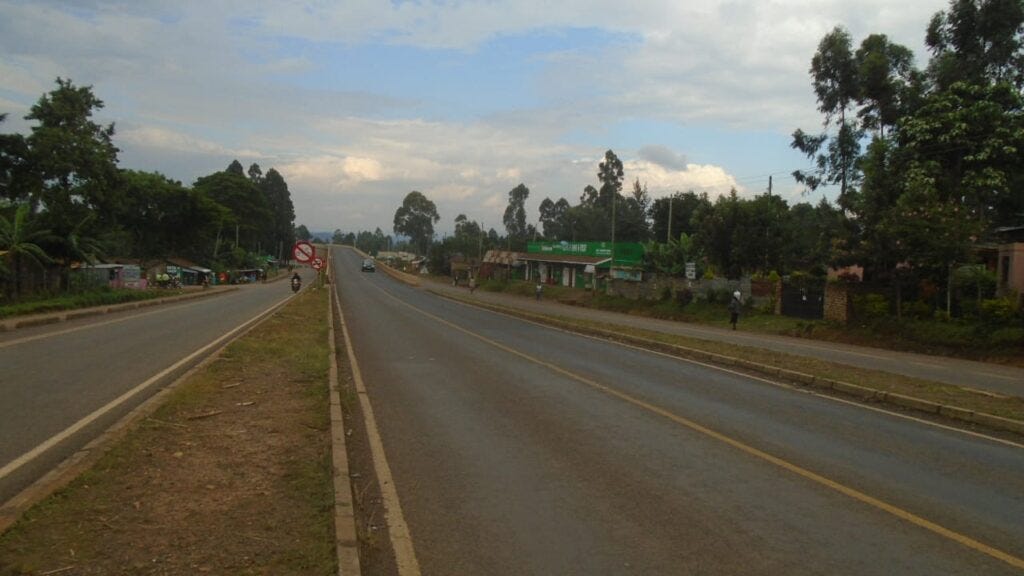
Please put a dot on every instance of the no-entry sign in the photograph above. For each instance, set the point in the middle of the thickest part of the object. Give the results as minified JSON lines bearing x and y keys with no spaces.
{"x":303,"y":251}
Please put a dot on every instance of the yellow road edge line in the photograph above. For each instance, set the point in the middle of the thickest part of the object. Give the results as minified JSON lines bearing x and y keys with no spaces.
{"x":398,"y":529}
{"x":900,"y":513}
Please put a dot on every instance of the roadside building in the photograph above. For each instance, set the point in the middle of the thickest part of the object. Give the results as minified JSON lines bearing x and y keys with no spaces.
{"x":580,"y":264}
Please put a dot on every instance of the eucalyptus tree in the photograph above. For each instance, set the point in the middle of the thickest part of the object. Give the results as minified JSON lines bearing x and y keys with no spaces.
{"x":514,"y":218}
{"x":415,"y":218}
{"x":834,"y":152}
{"x":977,"y":41}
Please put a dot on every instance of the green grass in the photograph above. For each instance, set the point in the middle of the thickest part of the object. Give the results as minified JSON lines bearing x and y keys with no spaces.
{"x":102,"y":297}
{"x":965,"y":339}
{"x":94,"y":517}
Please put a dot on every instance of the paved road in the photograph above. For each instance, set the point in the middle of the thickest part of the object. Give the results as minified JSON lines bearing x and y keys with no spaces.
{"x":994,"y":378}
{"x":52,"y":377}
{"x":517,"y":449}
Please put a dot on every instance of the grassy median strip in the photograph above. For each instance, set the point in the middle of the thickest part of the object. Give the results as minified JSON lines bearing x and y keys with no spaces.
{"x":232,"y":475}
{"x":940,"y":393}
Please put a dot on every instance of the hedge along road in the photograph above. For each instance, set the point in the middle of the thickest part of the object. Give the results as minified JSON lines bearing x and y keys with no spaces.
{"x":518,"y":449}
{"x":58,"y":383}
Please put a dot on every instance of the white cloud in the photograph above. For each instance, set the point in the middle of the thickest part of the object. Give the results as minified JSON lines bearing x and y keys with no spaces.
{"x":192,"y":86}
{"x":662,"y":181}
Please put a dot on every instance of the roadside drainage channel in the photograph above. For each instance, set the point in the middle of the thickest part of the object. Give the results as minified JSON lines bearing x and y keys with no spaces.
{"x":846,"y":388}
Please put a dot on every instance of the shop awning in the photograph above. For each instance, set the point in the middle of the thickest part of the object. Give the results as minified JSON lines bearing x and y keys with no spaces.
{"x":566,"y":259}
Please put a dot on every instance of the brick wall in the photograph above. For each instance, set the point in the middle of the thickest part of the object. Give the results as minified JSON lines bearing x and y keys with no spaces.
{"x":838,"y":301}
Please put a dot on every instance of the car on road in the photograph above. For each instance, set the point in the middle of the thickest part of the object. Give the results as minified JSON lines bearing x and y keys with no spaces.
{"x":369,"y":266}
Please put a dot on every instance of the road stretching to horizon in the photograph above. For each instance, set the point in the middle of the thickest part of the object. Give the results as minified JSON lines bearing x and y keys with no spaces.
{"x":520,"y":449}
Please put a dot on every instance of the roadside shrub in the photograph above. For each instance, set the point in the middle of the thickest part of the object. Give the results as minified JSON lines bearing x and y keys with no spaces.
{"x":945,"y":334}
{"x":684,"y":297}
{"x":871,"y":306}
{"x":919,"y":310}
{"x":1010,"y":338}
{"x":666,"y":293}
{"x":718,"y":296}
{"x":999,"y":310}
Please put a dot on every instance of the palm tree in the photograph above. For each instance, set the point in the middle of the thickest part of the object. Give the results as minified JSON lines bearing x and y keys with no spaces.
{"x":18,"y":244}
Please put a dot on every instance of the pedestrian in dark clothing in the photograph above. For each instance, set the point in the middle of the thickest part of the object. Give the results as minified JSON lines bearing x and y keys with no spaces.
{"x":538,"y":290}
{"x":734,"y":309}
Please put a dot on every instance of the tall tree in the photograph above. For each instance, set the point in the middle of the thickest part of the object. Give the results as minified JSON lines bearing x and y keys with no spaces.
{"x":631,"y":216}
{"x":235,"y":168}
{"x":281,"y":233}
{"x":158,"y":209}
{"x":977,"y":41}
{"x":515,"y":216}
{"x":554,"y":220}
{"x":682,"y":207}
{"x":834,"y":77}
{"x":255,"y":173}
{"x":13,"y":163}
{"x":71,"y":176}
{"x":415,"y":218}
{"x":610,"y":174}
{"x":250,"y":212}
{"x":886,"y":77}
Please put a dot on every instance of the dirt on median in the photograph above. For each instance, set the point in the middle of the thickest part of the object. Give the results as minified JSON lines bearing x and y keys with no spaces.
{"x":232,"y":475}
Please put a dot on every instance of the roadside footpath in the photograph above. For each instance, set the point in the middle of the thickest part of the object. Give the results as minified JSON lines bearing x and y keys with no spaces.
{"x":971,"y":393}
{"x":231,"y":470}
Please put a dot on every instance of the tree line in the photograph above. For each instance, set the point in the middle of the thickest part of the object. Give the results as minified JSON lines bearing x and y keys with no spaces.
{"x":927,"y":164}
{"x":63,"y":199}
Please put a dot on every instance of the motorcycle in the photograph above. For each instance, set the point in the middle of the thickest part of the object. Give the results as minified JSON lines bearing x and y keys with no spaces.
{"x":296,"y":284}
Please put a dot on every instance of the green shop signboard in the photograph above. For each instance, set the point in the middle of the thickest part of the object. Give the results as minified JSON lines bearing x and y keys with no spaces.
{"x":626,"y":253}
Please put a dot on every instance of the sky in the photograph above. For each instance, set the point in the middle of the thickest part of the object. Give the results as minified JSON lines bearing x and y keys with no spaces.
{"x":358,"y":102}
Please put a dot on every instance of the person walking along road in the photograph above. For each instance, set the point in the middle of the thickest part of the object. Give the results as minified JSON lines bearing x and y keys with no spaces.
{"x":734,"y":309}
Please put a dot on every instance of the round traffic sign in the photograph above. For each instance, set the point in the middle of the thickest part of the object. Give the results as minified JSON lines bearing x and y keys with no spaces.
{"x":318,"y":263}
{"x":303,"y":251}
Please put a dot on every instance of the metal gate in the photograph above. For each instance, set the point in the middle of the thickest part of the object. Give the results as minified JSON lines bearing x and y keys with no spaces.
{"x":806,"y":300}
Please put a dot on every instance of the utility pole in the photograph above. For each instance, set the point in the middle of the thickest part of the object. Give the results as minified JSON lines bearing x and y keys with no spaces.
{"x":767,"y":223}
{"x":611,"y":263}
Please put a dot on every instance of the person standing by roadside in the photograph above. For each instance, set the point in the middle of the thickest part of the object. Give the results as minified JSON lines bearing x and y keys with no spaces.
{"x":734,"y":309}
{"x":472,"y":284}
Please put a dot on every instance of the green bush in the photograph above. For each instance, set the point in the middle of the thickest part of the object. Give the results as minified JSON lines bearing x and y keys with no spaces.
{"x":919,"y":310}
{"x":1008,"y":338}
{"x":103,"y":297}
{"x":684,"y":297}
{"x":999,"y":310}
{"x":871,"y":306}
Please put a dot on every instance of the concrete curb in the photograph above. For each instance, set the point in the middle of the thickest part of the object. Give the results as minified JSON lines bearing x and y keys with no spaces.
{"x":846,"y":388}
{"x":346,"y":538}
{"x":17,"y":322}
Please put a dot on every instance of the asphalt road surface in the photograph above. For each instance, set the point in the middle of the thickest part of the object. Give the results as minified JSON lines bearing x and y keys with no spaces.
{"x":991,"y":378}
{"x":55,"y":377}
{"x":519,"y":449}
